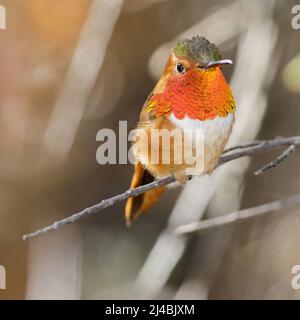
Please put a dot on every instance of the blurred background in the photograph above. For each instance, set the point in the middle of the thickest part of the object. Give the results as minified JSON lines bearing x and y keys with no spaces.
{"x":71,"y":67}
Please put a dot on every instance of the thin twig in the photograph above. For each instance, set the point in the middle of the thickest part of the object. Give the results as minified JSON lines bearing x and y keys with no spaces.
{"x":283,"y":156}
{"x":258,"y":148}
{"x":102,"y":205}
{"x":239,"y":152}
{"x":254,"y":143}
{"x":201,"y":226}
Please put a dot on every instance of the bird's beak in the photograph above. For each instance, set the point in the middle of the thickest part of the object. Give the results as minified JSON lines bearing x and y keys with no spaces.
{"x":218,"y":63}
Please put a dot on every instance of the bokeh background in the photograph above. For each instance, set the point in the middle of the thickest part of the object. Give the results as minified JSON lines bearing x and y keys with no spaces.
{"x":71,"y":67}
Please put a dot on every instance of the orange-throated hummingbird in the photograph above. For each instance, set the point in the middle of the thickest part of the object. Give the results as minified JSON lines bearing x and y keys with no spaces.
{"x":192,"y":93}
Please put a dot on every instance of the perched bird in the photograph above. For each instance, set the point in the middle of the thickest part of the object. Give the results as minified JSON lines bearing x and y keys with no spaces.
{"x":192,"y":93}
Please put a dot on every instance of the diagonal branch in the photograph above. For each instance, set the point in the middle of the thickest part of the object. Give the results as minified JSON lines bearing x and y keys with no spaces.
{"x":276,"y":162}
{"x":201,"y":226}
{"x":102,"y":205}
{"x":232,"y":154}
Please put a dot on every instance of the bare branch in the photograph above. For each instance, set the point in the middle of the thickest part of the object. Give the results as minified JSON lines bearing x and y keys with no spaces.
{"x":254,"y":143}
{"x":276,"y":162}
{"x":232,"y":154}
{"x":201,"y":226}
{"x":102,"y":205}
{"x":257,"y":148}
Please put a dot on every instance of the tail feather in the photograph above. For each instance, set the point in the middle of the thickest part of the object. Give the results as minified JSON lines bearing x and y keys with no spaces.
{"x":136,"y":205}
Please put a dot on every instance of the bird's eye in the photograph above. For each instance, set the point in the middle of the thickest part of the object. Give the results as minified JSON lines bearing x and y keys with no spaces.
{"x":180,"y":67}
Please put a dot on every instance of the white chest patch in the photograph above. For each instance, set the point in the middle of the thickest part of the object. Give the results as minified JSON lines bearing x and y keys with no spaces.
{"x":213,"y":129}
{"x":219,"y":123}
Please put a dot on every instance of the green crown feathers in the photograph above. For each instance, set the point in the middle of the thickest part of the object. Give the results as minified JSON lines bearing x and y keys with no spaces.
{"x":197,"y":49}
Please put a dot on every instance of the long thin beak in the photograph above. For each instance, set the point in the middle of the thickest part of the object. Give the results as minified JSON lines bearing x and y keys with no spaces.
{"x":218,"y":63}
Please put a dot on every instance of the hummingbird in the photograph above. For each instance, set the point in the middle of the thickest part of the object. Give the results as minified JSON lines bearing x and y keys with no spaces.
{"x":192,"y":93}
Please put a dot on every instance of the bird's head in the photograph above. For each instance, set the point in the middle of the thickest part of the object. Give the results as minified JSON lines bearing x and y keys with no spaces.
{"x":193,"y":80}
{"x":196,"y":53}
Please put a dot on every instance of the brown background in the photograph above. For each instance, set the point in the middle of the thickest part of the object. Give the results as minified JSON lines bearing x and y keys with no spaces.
{"x":39,"y":182}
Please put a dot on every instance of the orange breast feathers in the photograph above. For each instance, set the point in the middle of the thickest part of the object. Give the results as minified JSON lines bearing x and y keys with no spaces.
{"x":198,"y":94}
